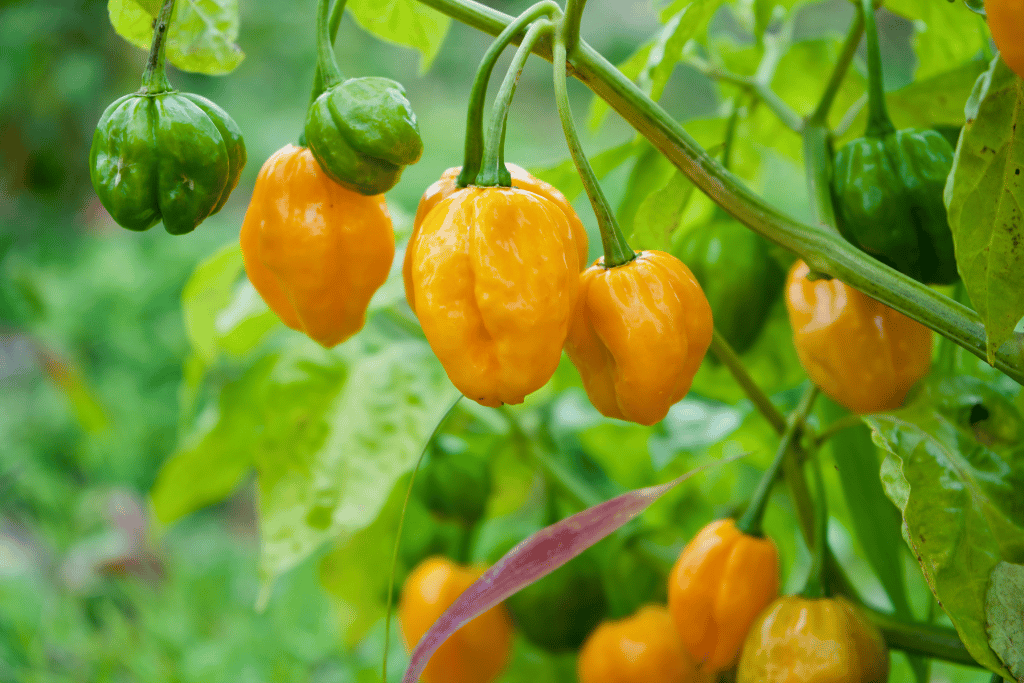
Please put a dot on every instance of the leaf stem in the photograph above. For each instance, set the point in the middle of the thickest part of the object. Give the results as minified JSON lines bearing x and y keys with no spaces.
{"x":720,"y":347}
{"x":616,"y":249}
{"x":154,"y":78}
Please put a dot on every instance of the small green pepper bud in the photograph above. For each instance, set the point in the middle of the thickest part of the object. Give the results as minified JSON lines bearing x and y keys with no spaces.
{"x":168,"y":155}
{"x":455,"y":483}
{"x":363,"y":132}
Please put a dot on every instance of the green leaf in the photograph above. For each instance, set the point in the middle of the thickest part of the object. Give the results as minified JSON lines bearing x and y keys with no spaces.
{"x":651,"y":172}
{"x":946,"y":34}
{"x":564,"y":176}
{"x":404,"y":22}
{"x":960,"y":498}
{"x":201,"y":37}
{"x":1004,"y":605}
{"x":985,"y":200}
{"x":659,"y":214}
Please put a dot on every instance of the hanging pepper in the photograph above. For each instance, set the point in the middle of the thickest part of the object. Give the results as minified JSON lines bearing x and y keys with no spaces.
{"x":638,"y":335}
{"x":1005,"y":19}
{"x":720,"y":583}
{"x":863,"y":354}
{"x":362,"y":131}
{"x":888,"y":185}
{"x":800,"y":640}
{"x":160,"y":154}
{"x":315,"y":251}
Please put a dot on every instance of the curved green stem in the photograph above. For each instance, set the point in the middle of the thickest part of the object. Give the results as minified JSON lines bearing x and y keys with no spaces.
{"x":817,"y":148}
{"x":879,"y":123}
{"x":927,"y":640}
{"x":815,"y":585}
{"x":492,"y":171}
{"x":326,"y":62}
{"x":750,"y":522}
{"x":616,"y":249}
{"x":725,"y":354}
{"x":839,"y":70}
{"x":573,"y":17}
{"x":761,"y":90}
{"x":335,"y":21}
{"x":839,"y":425}
{"x":154,"y":78}
{"x":478,"y":93}
{"x":825,"y":252}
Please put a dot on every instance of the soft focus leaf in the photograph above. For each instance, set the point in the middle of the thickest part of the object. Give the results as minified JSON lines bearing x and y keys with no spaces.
{"x":206,"y":294}
{"x":659,"y":214}
{"x":985,"y":199}
{"x":946,"y":34}
{"x":404,"y":22}
{"x":201,"y":37}
{"x":565,"y":177}
{"x":1004,"y":605}
{"x":955,"y":470}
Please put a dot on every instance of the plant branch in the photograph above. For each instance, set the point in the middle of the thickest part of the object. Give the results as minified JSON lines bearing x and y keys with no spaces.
{"x":761,"y":402}
{"x":753,"y":85}
{"x":573,"y":17}
{"x":154,"y":78}
{"x":842,"y":65}
{"x":927,"y":640}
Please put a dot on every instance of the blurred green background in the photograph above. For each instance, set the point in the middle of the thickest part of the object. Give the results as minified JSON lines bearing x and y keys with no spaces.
{"x":92,"y":343}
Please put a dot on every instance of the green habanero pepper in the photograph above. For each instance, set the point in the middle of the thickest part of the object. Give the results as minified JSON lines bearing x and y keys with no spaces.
{"x":887,"y":188}
{"x":362,"y":131}
{"x":739,"y":276}
{"x":454,"y":482}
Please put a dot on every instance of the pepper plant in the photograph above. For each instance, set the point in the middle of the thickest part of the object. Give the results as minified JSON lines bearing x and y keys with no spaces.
{"x":902,"y":306}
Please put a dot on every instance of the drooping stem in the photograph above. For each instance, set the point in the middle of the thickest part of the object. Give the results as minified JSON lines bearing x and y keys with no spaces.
{"x":839,"y":70}
{"x":335,"y":21}
{"x":573,"y":17}
{"x":750,"y":522}
{"x":879,"y":123}
{"x":326,"y":62}
{"x":492,"y":171}
{"x":478,"y":93}
{"x":616,"y":249}
{"x":725,"y":354}
{"x":154,"y":78}
{"x":815,"y":585}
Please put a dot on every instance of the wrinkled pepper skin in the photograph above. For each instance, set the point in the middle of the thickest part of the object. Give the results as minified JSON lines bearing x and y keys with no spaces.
{"x":638,"y":335}
{"x":740,"y":278}
{"x":888,"y":199}
{"x":800,"y":640}
{"x":861,"y":353}
{"x":364,"y":133}
{"x":476,"y":653}
{"x":722,"y":580}
{"x":1006,"y":22}
{"x":495,"y":279}
{"x":170,"y":156}
{"x":642,"y":648}
{"x":315,"y":251}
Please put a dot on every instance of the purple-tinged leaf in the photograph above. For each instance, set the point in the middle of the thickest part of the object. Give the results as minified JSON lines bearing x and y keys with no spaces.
{"x":534,"y":558}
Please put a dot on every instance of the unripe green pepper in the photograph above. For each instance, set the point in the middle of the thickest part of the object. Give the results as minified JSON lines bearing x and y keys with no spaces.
{"x":455,"y":483}
{"x":363,"y":132}
{"x":739,"y":276}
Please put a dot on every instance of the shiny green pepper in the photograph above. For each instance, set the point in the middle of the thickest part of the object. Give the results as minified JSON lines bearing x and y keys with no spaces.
{"x":739,"y":276}
{"x":167,"y":155}
{"x":363,"y":132}
{"x":455,"y":483}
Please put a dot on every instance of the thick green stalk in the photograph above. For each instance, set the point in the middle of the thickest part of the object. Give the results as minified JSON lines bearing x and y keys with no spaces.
{"x":478,"y":93}
{"x":824,"y":252}
{"x":154,"y":78}
{"x":493,"y":172}
{"x":879,"y":123}
{"x":335,"y":22}
{"x":326,"y":62}
{"x":927,"y":640}
{"x":616,"y":249}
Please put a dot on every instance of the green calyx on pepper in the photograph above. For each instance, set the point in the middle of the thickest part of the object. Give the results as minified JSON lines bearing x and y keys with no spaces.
{"x":163,"y":154}
{"x":362,"y":131}
{"x":887,"y":187}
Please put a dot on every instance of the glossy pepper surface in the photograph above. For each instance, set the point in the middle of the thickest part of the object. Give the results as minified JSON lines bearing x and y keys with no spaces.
{"x":638,"y":335}
{"x":445,"y":186}
{"x":641,"y":648}
{"x":1006,"y":21}
{"x":364,"y":133}
{"x":799,"y":640}
{"x":722,"y":580}
{"x":740,"y":278}
{"x":170,"y":156}
{"x":476,"y":653}
{"x":315,"y":251}
{"x":495,"y":276}
{"x":863,"y":354}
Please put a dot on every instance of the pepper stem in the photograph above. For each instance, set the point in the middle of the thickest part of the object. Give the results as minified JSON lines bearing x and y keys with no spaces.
{"x":335,"y":21}
{"x":750,"y":522}
{"x":492,"y":170}
{"x":879,"y":123}
{"x":573,"y":17}
{"x":616,"y":249}
{"x":815,"y":585}
{"x":478,"y":93}
{"x":154,"y":78}
{"x":326,"y":62}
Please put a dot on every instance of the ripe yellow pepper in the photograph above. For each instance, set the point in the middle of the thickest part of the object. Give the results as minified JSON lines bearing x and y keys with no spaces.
{"x":478,"y":651}
{"x":638,"y":335}
{"x":445,"y":186}
{"x":863,"y":354}
{"x":494,"y":279}
{"x":1006,"y":21}
{"x":722,"y":580}
{"x":315,"y":251}
{"x":800,"y":640}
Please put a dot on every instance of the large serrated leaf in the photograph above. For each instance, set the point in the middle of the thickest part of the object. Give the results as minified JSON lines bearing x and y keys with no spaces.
{"x":955,"y":469}
{"x":201,"y":37}
{"x":985,"y":200}
{"x":404,"y":22}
